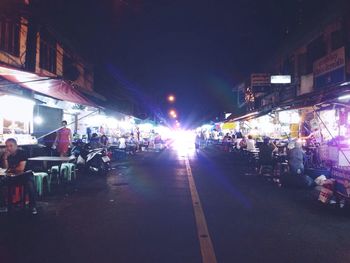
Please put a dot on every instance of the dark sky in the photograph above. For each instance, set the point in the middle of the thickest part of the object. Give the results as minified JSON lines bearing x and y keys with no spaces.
{"x":196,"y":49}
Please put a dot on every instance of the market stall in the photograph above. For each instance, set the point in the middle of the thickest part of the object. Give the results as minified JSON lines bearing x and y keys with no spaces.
{"x":16,"y":119}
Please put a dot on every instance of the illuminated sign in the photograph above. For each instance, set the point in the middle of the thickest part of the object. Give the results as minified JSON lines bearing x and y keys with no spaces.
{"x":281,"y":79}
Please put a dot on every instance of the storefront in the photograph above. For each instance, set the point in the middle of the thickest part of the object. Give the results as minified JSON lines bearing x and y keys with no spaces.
{"x":32,"y":107}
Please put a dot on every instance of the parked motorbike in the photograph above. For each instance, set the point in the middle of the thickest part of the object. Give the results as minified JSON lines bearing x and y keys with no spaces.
{"x":96,"y":161}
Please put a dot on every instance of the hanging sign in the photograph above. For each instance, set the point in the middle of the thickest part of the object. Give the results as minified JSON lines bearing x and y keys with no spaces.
{"x":330,"y":70}
{"x":260,"y":82}
{"x":281,"y":79}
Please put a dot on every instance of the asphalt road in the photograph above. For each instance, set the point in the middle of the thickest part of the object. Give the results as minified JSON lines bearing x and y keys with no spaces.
{"x":143,"y":212}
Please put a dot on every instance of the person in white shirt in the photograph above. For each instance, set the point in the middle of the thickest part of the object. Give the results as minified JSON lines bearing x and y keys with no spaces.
{"x":250,"y":143}
{"x":122,"y":143}
{"x":122,"y":147}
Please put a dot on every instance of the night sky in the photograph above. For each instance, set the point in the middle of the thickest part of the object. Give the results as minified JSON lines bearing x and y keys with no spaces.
{"x":196,"y":49}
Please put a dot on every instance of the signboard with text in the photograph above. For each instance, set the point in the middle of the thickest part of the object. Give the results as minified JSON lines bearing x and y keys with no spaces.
{"x":281,"y":79}
{"x":330,"y":70}
{"x":260,"y":82}
{"x":260,"y":79}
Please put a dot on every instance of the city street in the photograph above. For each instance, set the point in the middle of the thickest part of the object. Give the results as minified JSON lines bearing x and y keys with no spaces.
{"x":143,"y":212}
{"x":142,"y":131}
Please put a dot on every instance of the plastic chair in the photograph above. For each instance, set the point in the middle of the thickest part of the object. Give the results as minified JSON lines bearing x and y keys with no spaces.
{"x":39,"y":182}
{"x":69,"y":171}
{"x":18,"y":181}
{"x":58,"y":172}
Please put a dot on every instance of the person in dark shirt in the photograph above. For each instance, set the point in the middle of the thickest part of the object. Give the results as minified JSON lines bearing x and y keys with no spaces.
{"x":14,"y":160}
{"x":265,"y":152}
{"x":104,"y":140}
{"x":296,"y":158}
{"x":95,"y":141}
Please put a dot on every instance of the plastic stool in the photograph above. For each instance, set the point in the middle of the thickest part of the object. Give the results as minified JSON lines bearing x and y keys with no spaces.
{"x":70,"y":172}
{"x":39,"y":182}
{"x":58,"y":172}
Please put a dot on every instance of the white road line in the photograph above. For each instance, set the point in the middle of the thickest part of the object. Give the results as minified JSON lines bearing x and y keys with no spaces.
{"x":206,"y":245}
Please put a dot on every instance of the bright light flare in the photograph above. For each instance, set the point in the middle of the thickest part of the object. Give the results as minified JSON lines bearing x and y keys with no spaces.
{"x":184,"y":141}
{"x":16,"y":108}
{"x":173,"y":114}
{"x":38,"y":120}
{"x":344,"y":97}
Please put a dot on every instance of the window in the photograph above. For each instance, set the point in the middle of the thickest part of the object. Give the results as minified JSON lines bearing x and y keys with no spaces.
{"x":302,"y":69}
{"x":337,"y":39}
{"x":288,"y":66}
{"x":70,"y":70}
{"x":48,"y":52}
{"x":315,"y":50}
{"x":9,"y":36}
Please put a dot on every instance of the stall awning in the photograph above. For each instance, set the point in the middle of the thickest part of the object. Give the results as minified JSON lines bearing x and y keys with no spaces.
{"x":52,"y":87}
{"x":248,"y":116}
{"x":92,"y":94}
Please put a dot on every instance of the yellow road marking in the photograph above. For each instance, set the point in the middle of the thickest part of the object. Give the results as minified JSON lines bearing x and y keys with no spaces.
{"x":206,"y":245}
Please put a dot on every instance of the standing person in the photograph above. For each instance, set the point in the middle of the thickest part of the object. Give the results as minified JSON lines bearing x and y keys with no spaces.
{"x":15,"y":160}
{"x":197,"y":142}
{"x":131,"y":144}
{"x":88,"y":132}
{"x":266,"y":151}
{"x":138,"y":139}
{"x":238,"y":140}
{"x":122,"y":147}
{"x":63,"y":139}
{"x":296,"y":158}
{"x":215,"y":136}
{"x":227,"y":142}
{"x":104,"y":140}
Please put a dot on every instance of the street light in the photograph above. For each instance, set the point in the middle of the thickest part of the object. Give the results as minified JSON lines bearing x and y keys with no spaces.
{"x":172,"y":112}
{"x":171,"y":98}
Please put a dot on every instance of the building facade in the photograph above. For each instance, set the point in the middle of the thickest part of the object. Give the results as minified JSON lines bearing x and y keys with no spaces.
{"x":42,"y":76}
{"x":317,"y":63}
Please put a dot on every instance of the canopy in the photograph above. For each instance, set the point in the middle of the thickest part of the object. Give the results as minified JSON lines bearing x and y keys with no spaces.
{"x":52,"y":87}
{"x":248,"y":116}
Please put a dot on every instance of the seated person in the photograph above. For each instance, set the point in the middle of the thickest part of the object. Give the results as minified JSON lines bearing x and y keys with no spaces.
{"x":241,"y":143}
{"x":14,"y":160}
{"x":95,"y":141}
{"x":266,"y":151}
{"x":250,"y":143}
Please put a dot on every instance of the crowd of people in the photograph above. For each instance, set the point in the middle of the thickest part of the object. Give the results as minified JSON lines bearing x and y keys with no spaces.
{"x":63,"y":143}
{"x":267,"y":150}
